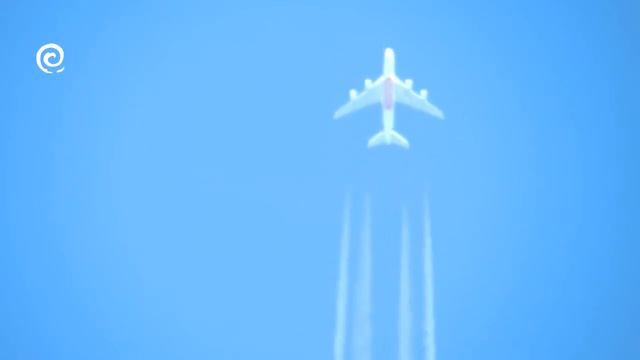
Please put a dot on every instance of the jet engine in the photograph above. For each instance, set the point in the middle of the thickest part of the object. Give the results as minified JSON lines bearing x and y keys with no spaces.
{"x":408,"y":83}
{"x":352,"y":94}
{"x":423,"y":93}
{"x":367,"y":83}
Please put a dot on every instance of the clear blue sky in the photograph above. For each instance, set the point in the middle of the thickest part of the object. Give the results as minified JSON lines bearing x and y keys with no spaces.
{"x":177,"y":192}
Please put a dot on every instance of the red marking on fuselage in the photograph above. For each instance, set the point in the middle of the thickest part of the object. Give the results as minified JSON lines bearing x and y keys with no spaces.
{"x":387,"y":97}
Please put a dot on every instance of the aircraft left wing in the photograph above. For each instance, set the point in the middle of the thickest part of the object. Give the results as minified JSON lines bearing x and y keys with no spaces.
{"x":406,"y":95}
{"x":371,"y":95}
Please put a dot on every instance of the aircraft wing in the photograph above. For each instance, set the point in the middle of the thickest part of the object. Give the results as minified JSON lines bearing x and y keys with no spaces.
{"x":406,"y":95}
{"x":370,"y":95}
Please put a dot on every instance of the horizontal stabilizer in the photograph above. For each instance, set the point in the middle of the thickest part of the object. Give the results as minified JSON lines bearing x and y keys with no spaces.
{"x":390,"y":137}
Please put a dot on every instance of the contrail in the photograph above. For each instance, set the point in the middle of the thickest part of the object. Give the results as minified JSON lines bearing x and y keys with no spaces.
{"x":430,"y":335}
{"x":343,"y":285}
{"x":404,"y":313}
{"x":362,"y":326}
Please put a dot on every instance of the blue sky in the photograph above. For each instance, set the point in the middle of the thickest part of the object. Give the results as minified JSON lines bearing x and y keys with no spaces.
{"x":177,"y":192}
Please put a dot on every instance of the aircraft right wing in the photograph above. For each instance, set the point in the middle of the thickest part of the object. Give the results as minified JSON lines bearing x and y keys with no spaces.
{"x":371,"y":95}
{"x":406,"y":95}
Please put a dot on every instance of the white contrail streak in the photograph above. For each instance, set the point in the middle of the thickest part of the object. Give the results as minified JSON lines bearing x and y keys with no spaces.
{"x":343,"y":285}
{"x":404,"y":313}
{"x":430,"y":335}
{"x":362,"y":326}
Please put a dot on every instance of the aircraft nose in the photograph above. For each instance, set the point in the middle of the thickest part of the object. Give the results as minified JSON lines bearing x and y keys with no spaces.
{"x":388,"y":52}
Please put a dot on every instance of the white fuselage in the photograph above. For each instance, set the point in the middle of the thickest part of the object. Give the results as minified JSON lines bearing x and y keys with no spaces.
{"x":388,"y":97}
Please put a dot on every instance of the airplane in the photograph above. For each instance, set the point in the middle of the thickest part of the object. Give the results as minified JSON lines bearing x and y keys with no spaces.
{"x":388,"y":90}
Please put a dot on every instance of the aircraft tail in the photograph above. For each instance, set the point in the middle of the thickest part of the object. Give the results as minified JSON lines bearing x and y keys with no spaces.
{"x":389,"y":137}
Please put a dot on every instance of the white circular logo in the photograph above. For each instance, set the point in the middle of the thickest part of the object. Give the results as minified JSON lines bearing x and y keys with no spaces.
{"x":50,"y":57}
